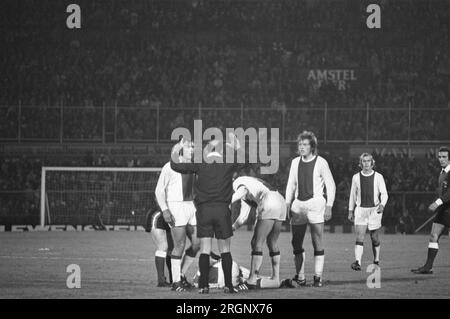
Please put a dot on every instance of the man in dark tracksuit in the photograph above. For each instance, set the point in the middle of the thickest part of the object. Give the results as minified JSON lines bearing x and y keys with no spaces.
{"x":213,"y":190}
{"x":442,"y":208}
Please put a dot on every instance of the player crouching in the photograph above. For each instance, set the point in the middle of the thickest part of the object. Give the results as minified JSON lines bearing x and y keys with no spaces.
{"x":271,"y":212}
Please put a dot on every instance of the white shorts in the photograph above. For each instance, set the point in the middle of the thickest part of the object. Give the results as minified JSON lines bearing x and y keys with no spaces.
{"x":183,"y":213}
{"x":272,"y":206}
{"x":368,"y":216}
{"x":311,"y":211}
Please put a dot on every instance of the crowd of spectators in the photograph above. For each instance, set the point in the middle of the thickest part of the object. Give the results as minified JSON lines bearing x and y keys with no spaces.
{"x":20,"y":185}
{"x":170,"y":55}
{"x":138,"y":69}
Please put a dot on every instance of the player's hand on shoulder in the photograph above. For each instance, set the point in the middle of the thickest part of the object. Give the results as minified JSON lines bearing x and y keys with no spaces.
{"x":328,"y":213}
{"x":168,"y":217}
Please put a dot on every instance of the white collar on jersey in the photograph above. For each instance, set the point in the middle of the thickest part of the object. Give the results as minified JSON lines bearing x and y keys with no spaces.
{"x":373,"y":172}
{"x":305,"y":161}
{"x":214,"y":154}
{"x":447,"y":168}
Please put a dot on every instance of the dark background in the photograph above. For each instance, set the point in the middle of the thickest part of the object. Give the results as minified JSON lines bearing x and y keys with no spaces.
{"x":110,"y":94}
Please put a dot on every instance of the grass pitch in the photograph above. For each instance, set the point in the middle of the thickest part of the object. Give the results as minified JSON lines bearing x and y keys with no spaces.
{"x":121,"y":265}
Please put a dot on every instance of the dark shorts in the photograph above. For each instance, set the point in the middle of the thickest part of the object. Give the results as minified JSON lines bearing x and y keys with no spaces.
{"x":155,"y":220}
{"x":443,"y":216}
{"x":214,"y":220}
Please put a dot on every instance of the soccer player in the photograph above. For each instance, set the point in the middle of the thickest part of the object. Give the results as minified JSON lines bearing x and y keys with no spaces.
{"x":271,"y":212}
{"x":442,"y":208}
{"x":216,"y":278}
{"x":160,"y":232}
{"x":369,"y":194}
{"x":308,"y":175}
{"x":213,"y":189}
{"x":174,"y":194}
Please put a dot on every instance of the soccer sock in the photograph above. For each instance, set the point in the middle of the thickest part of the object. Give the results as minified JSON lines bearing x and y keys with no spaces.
{"x":319,"y":259}
{"x":299,"y":258}
{"x":227,"y":265}
{"x":257,"y":257}
{"x":376,"y":251}
{"x":169,"y":267}
{"x":176,"y":268}
{"x":432,"y":252}
{"x":275,"y":259}
{"x":188,"y":259}
{"x":359,"y":248}
{"x":203,"y":265}
{"x":160,"y":257}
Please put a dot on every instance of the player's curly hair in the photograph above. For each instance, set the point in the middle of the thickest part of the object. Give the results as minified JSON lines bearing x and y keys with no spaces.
{"x":311,"y":137}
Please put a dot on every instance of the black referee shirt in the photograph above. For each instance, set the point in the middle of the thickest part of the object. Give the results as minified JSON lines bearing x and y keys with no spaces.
{"x":214,"y":182}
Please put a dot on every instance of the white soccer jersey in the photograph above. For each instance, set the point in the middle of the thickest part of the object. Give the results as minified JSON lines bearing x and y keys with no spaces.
{"x":321,"y":176}
{"x":380,"y":194}
{"x":173,"y":187}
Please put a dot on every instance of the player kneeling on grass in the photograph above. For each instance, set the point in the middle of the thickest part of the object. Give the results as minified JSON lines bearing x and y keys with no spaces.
{"x":271,"y":212}
{"x":162,"y":238}
{"x":216,"y":277}
{"x":370,"y":196}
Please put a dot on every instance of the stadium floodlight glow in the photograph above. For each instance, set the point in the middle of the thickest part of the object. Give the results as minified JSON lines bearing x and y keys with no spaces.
{"x":96,"y":195}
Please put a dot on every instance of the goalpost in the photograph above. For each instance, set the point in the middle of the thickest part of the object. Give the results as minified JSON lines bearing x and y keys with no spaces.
{"x":96,"y":195}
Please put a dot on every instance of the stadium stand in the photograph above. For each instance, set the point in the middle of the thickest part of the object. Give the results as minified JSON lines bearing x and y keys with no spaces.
{"x":230,"y":63}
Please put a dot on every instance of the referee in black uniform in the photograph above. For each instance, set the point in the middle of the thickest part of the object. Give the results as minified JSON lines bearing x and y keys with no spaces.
{"x":213,"y":191}
{"x":442,"y":209}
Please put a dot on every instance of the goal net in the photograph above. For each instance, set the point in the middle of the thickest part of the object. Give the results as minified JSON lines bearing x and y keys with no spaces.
{"x":97,"y":195}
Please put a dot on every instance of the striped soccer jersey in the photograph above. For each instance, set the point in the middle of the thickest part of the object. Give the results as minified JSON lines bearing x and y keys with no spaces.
{"x":320,"y":179}
{"x":173,"y":187}
{"x":378,"y":192}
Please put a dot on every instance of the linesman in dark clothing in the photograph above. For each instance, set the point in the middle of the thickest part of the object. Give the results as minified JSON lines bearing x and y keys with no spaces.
{"x":441,"y":207}
{"x":213,"y":191}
